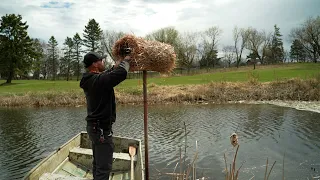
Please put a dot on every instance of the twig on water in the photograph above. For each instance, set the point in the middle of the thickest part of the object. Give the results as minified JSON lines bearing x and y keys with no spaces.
{"x":185,"y":144}
{"x":234,"y":162}
{"x":252,"y":176}
{"x":180,"y":161}
{"x":192,"y":164}
{"x":227,"y":173}
{"x":265,"y":173}
{"x":231,"y":175}
{"x":174,"y":170}
{"x":283,"y":166}
{"x":237,"y":174}
{"x":271,"y":169}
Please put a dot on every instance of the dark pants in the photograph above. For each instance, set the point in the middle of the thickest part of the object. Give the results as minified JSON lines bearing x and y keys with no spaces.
{"x":102,"y":153}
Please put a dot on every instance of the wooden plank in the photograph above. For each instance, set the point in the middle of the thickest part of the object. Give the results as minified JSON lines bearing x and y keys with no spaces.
{"x":50,"y":176}
{"x":120,"y":176}
{"x":121,"y":161}
{"x":121,"y":144}
{"x":74,"y":170}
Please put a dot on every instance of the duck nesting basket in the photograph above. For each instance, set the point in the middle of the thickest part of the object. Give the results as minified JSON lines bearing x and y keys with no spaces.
{"x":145,"y":54}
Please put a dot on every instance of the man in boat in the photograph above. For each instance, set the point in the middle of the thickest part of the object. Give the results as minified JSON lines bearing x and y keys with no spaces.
{"x":98,"y":85}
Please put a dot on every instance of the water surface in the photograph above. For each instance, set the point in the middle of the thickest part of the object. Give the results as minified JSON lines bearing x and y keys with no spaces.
{"x":28,"y":135}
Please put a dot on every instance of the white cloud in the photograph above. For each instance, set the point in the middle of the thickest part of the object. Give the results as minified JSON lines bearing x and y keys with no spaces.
{"x":63,"y":18}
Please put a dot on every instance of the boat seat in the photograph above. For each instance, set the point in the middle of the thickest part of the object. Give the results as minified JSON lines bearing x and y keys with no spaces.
{"x":121,"y":161}
{"x":51,"y":176}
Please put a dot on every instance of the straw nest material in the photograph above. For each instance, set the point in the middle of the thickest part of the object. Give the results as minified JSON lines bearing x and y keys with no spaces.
{"x":146,"y":55}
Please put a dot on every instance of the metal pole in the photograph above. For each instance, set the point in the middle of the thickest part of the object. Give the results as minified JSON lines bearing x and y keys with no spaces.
{"x":145,"y":102}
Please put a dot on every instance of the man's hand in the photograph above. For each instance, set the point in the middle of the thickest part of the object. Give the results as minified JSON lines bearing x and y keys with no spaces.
{"x":117,"y":64}
{"x":127,"y":58}
{"x":125,"y":63}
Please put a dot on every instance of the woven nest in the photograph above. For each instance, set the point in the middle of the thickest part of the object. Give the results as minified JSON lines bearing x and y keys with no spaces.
{"x":146,"y":55}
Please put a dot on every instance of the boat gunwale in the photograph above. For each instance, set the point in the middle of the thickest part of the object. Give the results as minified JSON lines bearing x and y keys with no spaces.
{"x":51,"y":154}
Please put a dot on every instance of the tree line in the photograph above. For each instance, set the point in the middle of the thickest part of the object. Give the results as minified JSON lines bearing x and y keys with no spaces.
{"x":21,"y":55}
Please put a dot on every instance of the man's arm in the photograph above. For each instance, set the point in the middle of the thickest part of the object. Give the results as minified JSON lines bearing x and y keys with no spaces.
{"x":109,"y":70}
{"x":116,"y":76}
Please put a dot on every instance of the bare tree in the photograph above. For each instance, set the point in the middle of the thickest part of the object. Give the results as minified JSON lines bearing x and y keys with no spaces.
{"x":240,"y":37}
{"x":208,"y":48}
{"x":45,"y":61}
{"x":229,"y":54}
{"x":286,"y":57}
{"x":38,"y":60}
{"x":108,"y":40}
{"x":309,"y":35}
{"x":187,"y":50}
{"x":258,"y":43}
{"x":167,"y":35}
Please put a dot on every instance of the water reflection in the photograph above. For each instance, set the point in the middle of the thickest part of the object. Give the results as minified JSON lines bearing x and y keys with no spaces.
{"x":28,"y":135}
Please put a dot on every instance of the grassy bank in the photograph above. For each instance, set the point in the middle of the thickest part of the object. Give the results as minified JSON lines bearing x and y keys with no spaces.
{"x":299,"y":82}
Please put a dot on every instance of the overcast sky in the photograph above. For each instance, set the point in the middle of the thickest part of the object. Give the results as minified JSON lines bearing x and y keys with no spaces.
{"x":63,"y":18}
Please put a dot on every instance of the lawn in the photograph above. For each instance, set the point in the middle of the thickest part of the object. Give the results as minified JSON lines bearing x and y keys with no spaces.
{"x":261,"y":73}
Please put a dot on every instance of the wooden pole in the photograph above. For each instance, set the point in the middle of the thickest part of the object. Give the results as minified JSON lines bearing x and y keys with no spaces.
{"x":145,"y":102}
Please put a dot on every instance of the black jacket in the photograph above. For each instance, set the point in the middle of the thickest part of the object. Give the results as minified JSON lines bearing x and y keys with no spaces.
{"x":100,"y":97}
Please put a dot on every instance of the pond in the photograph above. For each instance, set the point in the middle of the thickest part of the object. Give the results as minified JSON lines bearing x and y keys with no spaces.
{"x":27,"y":135}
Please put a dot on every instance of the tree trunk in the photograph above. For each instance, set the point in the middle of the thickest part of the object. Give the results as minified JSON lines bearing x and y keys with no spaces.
{"x":54,"y":66}
{"x":238,"y":62}
{"x":36,"y":75}
{"x":78,"y":73}
{"x":68,"y":72}
{"x":10,"y":74}
{"x":315,"y":57}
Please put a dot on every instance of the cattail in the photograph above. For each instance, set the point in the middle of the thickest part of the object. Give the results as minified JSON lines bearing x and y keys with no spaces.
{"x":234,"y":139}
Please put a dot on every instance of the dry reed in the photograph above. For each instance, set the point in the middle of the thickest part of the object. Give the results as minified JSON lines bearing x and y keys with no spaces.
{"x":220,"y":92}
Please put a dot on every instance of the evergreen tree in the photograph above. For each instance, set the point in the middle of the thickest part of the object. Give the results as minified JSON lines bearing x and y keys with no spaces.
{"x":16,"y":50}
{"x":77,"y":47}
{"x":68,"y":56}
{"x":92,"y":35}
{"x":277,"y":50}
{"x":297,"y":51}
{"x":254,"y":58}
{"x":53,"y":56}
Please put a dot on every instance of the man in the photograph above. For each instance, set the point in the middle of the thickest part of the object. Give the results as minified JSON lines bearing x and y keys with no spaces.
{"x":98,"y":85}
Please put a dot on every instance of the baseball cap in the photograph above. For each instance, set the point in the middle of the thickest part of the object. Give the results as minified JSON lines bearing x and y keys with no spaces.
{"x":92,"y":57}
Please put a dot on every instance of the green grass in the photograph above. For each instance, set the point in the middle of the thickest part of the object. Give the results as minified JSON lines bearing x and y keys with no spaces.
{"x":24,"y":86}
{"x":262,"y":74}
